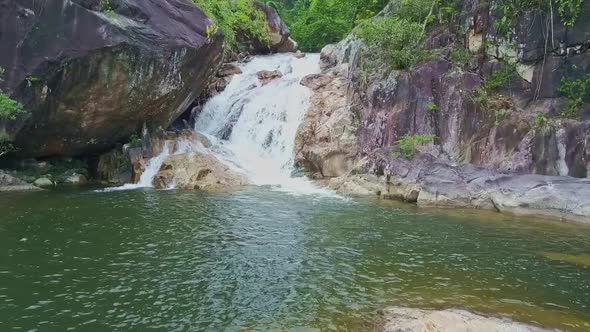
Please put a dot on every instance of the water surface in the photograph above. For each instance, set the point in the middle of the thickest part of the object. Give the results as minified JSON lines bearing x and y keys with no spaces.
{"x":265,"y":260}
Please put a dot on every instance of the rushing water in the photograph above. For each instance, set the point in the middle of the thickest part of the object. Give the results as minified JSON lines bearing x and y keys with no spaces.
{"x":266,"y":260}
{"x":254,"y":125}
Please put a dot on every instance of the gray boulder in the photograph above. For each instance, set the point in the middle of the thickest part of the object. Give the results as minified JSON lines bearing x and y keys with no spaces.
{"x":91,"y":72}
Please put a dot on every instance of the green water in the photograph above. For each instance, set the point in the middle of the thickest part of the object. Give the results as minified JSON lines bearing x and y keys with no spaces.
{"x":264,"y":260}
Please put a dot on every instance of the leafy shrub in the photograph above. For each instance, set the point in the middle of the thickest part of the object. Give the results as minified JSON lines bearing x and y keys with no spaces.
{"x":569,"y":11}
{"x":540,"y":119}
{"x":135,"y":141}
{"x":460,"y":56}
{"x":9,"y":108}
{"x":501,"y":78}
{"x":316,"y":23}
{"x":397,"y":41}
{"x":414,"y":10}
{"x":236,"y":17}
{"x":6,"y":147}
{"x":576,"y":92}
{"x":408,"y":144}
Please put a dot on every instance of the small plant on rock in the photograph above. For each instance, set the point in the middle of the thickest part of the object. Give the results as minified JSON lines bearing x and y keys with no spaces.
{"x":576,"y":92}
{"x":541,"y":119}
{"x":460,"y":56}
{"x":408,"y":144}
{"x":432,"y":108}
{"x":9,"y":108}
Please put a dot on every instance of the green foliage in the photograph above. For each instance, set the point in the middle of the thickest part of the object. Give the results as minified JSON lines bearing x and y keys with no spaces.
{"x":6,"y":147}
{"x":415,"y":10}
{"x":397,"y":41}
{"x":569,"y":11}
{"x":576,"y":92}
{"x":235,"y":18}
{"x":9,"y":108}
{"x":511,"y":10}
{"x":501,"y":78}
{"x":481,"y":96}
{"x":316,"y":23}
{"x":501,"y":114}
{"x":135,"y":141}
{"x":460,"y":56}
{"x":408,"y":144}
{"x":432,"y":107}
{"x":107,"y":6}
{"x":540,"y":119}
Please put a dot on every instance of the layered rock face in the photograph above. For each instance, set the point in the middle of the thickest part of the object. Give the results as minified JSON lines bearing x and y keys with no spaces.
{"x":358,"y":117}
{"x":91,"y":72}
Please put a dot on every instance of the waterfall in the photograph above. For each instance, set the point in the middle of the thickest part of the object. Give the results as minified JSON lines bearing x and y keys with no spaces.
{"x":254,"y":125}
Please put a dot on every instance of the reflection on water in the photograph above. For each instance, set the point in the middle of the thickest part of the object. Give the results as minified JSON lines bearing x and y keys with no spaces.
{"x":260,"y":260}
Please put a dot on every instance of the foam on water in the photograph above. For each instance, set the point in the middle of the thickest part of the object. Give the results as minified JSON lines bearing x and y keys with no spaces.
{"x":255,"y":125}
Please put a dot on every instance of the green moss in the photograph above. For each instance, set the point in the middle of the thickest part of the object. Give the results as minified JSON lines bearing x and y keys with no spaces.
{"x":460,"y":56}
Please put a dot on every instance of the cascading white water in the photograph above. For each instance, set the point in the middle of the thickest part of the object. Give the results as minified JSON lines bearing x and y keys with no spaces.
{"x":254,"y":125}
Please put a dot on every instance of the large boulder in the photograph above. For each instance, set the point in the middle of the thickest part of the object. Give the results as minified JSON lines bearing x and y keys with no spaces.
{"x":399,"y":319}
{"x":280,"y":40}
{"x":197,"y":171}
{"x":436,"y":183}
{"x":11,"y":183}
{"x":92,"y":72}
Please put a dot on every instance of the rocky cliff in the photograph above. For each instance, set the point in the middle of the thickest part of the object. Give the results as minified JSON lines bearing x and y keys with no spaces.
{"x":92,"y":72}
{"x":364,"y":115}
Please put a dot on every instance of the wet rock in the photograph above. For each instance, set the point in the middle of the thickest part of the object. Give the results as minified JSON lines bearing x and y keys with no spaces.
{"x":199,"y":171}
{"x":114,"y":167}
{"x":229,"y":69}
{"x":43,"y":183}
{"x":266,"y":76}
{"x":326,"y":143}
{"x":76,"y":179}
{"x":357,"y":185}
{"x":399,"y":319}
{"x":89,"y":85}
{"x":299,"y":55}
{"x":11,"y":183}
{"x":436,"y":183}
{"x":280,"y":40}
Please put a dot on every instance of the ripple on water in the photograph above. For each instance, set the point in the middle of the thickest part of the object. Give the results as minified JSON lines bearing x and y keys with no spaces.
{"x":264,"y":260}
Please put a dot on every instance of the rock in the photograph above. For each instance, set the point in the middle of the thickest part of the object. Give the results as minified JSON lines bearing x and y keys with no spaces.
{"x":229,"y":69}
{"x":43,"y":182}
{"x":326,"y":142}
{"x":12,"y":183}
{"x":503,"y":135}
{"x":266,"y":76}
{"x":114,"y":167}
{"x":197,"y":172}
{"x":581,"y":260}
{"x":87,"y":86}
{"x":76,"y":179}
{"x":357,"y":185}
{"x":436,"y":183}
{"x":299,"y":55}
{"x":399,"y":319}
{"x":280,"y":40}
